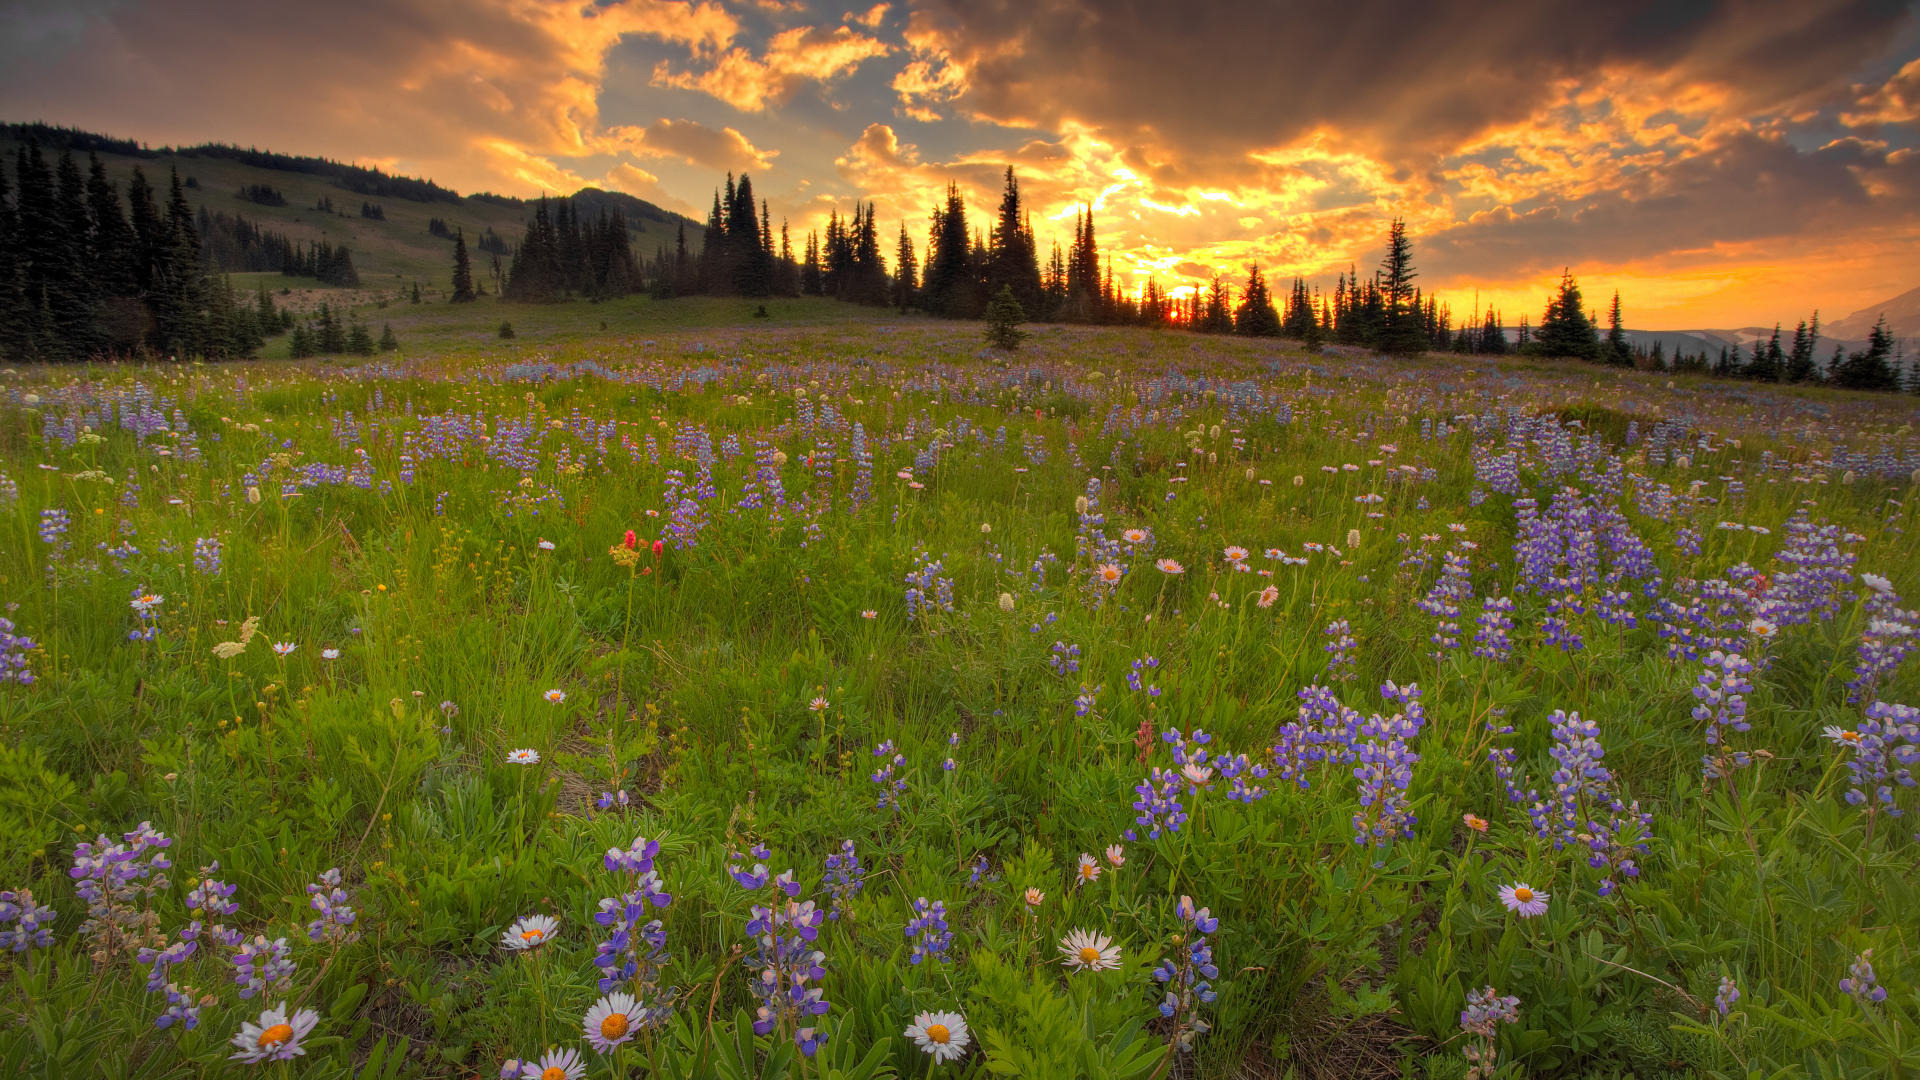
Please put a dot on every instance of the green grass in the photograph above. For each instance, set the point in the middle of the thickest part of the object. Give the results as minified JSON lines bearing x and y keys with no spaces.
{"x":736,"y":689}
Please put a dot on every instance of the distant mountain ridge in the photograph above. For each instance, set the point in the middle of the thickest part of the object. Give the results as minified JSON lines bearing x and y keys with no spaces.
{"x":1902,"y":314}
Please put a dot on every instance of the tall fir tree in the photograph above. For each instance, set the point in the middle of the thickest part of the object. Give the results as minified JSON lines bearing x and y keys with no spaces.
{"x":1012,"y":261}
{"x":1402,"y":331}
{"x":1565,"y":330}
{"x":1615,"y":350}
{"x":906,"y":283}
{"x":462,"y":270}
{"x":947,"y":287}
{"x":1255,"y":317}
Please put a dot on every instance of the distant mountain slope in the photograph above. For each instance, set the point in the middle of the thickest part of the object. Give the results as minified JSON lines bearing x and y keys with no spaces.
{"x":390,"y":253}
{"x":1902,"y":312}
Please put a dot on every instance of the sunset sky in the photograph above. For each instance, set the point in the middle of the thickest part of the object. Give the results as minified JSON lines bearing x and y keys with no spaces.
{"x":1721,"y":164}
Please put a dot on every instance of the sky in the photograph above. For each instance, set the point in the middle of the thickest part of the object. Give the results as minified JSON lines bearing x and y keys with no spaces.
{"x":1721,"y":164}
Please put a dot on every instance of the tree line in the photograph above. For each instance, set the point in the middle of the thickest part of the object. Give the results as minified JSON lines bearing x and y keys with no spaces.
{"x":85,"y":273}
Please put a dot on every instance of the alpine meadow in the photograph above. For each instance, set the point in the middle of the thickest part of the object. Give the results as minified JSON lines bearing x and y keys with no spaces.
{"x":909,"y":542}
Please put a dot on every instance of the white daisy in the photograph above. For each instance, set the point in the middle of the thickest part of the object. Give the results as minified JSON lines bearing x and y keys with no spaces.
{"x":1523,"y":900}
{"x":523,"y":757}
{"x":1083,"y":950}
{"x":555,"y":697}
{"x":941,"y":1034}
{"x":284,"y":647}
{"x":1841,"y":735}
{"x":555,"y":1065}
{"x":275,"y":1036}
{"x":611,"y":1021}
{"x":529,"y":933}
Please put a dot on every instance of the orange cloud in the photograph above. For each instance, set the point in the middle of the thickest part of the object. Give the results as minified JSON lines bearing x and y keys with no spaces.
{"x":721,"y":150}
{"x":1896,"y":101}
{"x":792,"y":59}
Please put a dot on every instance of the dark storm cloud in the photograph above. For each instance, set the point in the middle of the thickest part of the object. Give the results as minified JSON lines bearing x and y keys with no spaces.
{"x":1218,"y":77}
{"x":1746,"y":188}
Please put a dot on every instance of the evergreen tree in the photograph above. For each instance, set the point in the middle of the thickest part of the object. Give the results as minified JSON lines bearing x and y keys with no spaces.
{"x":716,"y":269}
{"x":1616,"y":351}
{"x":686,"y":277}
{"x":1003,"y":320}
{"x":179,"y":289}
{"x":388,"y":342}
{"x":905,"y":271}
{"x":359,"y":342}
{"x":1255,"y":317}
{"x":462,"y":269}
{"x":810,"y":279}
{"x":112,"y":257}
{"x":1402,"y":329}
{"x":947,"y":284}
{"x":1769,"y":363}
{"x":1493,"y":336}
{"x":1218,"y":317}
{"x":1565,"y":330}
{"x":752,"y":265}
{"x":1871,"y":368}
{"x":1011,"y":260}
{"x":1801,"y":365}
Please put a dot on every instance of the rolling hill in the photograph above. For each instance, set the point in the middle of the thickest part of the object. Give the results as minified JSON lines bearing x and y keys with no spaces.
{"x":390,"y":254}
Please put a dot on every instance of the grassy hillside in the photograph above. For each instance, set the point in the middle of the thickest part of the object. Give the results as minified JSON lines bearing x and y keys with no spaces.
{"x":391,"y":254}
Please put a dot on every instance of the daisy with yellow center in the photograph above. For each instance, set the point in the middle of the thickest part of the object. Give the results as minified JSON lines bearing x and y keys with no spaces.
{"x":1116,"y":856}
{"x":1841,"y":735}
{"x":555,"y":697}
{"x":1034,"y":896}
{"x":1523,"y":900}
{"x":275,"y":1036}
{"x":611,"y":1021}
{"x":1108,"y":573}
{"x":942,"y":1035}
{"x":555,"y":1064}
{"x":1475,"y":822}
{"x":529,"y":933}
{"x":818,"y":704}
{"x":1169,"y":566}
{"x":1088,"y":870}
{"x":1134,"y":536}
{"x":1083,"y":950}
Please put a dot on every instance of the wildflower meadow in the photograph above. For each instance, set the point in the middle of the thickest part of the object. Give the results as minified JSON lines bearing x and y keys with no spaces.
{"x":849,"y":701}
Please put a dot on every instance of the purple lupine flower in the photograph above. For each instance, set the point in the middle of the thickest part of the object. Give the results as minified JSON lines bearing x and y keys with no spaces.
{"x":1885,"y":748}
{"x":13,"y":654}
{"x":928,"y":931}
{"x":24,"y":924}
{"x":1722,"y":706}
{"x":845,"y":878}
{"x":1187,"y":973}
{"x":1340,"y":649}
{"x":260,"y":965}
{"x":890,"y":778}
{"x":1482,"y":1017}
{"x":1385,"y":768}
{"x":785,"y":968}
{"x":330,"y":899}
{"x":1728,"y":993}
{"x":1443,"y":601}
{"x":1861,"y":983}
{"x":1493,"y":639}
